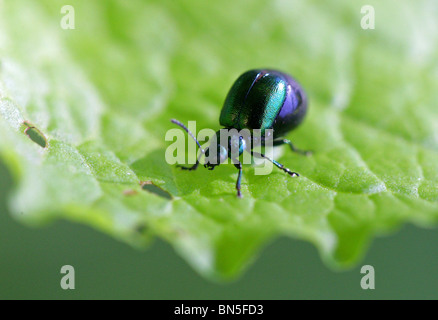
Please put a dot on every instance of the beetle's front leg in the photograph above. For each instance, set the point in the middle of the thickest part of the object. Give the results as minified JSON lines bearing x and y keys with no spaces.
{"x":194,"y":167}
{"x":238,"y":165}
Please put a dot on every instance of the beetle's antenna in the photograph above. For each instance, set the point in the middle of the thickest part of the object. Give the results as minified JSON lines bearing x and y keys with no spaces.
{"x":189,"y":133}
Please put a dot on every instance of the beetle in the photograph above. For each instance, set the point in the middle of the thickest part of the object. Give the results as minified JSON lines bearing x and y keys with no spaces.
{"x":259,"y":99}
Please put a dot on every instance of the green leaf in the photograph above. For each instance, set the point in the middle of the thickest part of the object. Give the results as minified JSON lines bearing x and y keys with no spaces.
{"x":84,"y":111}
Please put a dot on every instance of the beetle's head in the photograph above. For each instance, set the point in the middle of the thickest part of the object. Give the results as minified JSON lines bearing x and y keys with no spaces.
{"x":215,"y":154}
{"x":229,"y":146}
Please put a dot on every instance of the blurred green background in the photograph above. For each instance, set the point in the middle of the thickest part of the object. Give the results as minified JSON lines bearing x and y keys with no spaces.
{"x":31,"y":259}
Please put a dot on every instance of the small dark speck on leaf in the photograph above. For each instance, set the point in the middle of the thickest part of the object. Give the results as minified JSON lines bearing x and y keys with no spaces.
{"x":35,"y":134}
{"x":142,"y":229}
{"x":152,"y":188}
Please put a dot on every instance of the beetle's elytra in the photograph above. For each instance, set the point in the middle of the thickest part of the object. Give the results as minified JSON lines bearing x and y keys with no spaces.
{"x":259,"y":99}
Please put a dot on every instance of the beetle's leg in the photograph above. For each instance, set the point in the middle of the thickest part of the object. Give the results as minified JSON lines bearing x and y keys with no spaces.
{"x":278,"y":164}
{"x":194,"y":167}
{"x":292,"y":147}
{"x":238,"y":165}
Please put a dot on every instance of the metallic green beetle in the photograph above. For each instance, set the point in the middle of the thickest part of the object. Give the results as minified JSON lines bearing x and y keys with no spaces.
{"x":259,"y":99}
